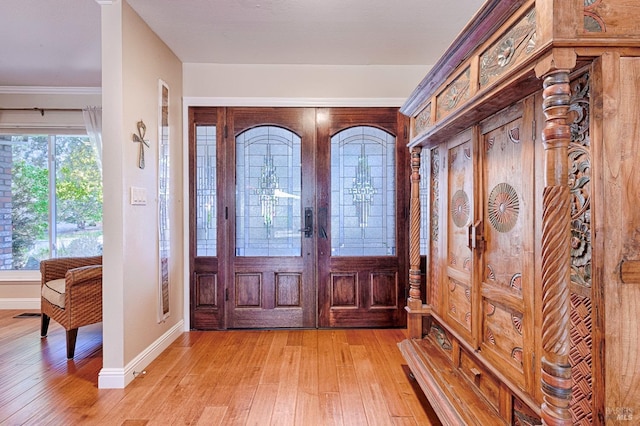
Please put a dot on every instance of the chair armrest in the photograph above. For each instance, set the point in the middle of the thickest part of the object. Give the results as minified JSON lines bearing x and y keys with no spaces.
{"x":53,"y":269}
{"x":79,"y":276}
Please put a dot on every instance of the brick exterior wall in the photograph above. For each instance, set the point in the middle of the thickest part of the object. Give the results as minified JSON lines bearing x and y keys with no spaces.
{"x":6,"y":257}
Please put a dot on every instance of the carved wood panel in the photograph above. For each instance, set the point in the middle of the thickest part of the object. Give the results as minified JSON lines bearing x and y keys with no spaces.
{"x":507,"y":231}
{"x":422,"y":121}
{"x":523,"y":415}
{"x":581,"y":354}
{"x":457,"y":290}
{"x":510,"y":50}
{"x":454,"y":95}
{"x":611,"y":17}
{"x":434,"y":269}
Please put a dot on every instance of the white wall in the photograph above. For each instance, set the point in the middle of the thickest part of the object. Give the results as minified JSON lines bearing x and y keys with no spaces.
{"x":134,"y":59}
{"x":300,"y":81}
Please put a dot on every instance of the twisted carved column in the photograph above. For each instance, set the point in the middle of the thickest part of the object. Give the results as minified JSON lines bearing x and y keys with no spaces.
{"x":415,"y":298}
{"x":556,"y":255}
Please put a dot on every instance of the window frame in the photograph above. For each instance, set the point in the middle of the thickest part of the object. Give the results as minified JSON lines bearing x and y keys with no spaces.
{"x":11,"y":276}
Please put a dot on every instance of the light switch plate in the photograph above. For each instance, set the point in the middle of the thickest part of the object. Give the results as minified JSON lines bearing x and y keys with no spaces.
{"x":138,"y":196}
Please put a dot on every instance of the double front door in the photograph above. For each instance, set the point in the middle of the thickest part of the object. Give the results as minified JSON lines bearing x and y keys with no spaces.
{"x":297,"y":217}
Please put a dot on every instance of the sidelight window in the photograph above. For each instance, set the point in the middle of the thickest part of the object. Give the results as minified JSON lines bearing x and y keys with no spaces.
{"x":206,"y":196}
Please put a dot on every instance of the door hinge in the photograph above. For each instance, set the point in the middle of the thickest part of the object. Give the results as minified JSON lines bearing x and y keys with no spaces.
{"x":226,"y":294}
{"x":533,"y":130}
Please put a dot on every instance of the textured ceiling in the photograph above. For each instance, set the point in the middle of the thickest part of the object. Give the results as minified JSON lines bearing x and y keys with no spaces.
{"x":57,"y":43}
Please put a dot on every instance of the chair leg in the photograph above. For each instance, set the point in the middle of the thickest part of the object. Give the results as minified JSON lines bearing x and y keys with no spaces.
{"x":44,"y":325}
{"x":71,"y":342}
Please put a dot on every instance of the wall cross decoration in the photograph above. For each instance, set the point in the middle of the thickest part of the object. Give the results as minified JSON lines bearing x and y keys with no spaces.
{"x":142,"y":129}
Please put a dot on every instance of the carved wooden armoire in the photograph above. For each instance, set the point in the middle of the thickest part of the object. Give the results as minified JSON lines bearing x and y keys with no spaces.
{"x":525,"y":154}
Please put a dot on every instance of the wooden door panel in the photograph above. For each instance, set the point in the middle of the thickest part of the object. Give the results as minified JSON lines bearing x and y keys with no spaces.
{"x":267,"y":295}
{"x":366,"y":288}
{"x":288,"y":290}
{"x":272,"y":258}
{"x":384,"y":290}
{"x":248,"y":290}
{"x":206,"y":300}
{"x":507,"y":184}
{"x":344,"y":290}
{"x":359,"y":296}
{"x":206,"y":164}
{"x":457,"y":303}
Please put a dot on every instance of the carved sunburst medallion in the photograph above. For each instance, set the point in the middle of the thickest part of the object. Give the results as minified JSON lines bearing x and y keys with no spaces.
{"x":504,"y":207}
{"x":460,"y":208}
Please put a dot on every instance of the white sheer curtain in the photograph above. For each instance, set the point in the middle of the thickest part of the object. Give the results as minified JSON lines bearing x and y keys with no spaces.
{"x":93,"y":122}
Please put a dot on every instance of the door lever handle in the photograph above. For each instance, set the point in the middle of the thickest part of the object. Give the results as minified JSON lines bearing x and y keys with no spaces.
{"x":308,"y":222}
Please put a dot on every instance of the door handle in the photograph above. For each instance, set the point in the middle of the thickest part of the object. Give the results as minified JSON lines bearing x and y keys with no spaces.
{"x":475,"y":237}
{"x":308,"y":222}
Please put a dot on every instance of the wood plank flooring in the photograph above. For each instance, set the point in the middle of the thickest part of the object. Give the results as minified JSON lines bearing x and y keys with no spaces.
{"x":244,"y":377}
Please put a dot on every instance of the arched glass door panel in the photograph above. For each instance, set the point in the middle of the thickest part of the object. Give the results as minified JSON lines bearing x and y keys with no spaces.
{"x":268,"y":190}
{"x":363,"y":193}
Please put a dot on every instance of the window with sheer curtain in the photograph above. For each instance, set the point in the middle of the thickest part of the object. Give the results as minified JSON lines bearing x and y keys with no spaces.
{"x":50,"y":198}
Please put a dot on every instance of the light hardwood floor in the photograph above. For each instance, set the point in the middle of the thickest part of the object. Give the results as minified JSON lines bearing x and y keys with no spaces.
{"x":266,"y":377}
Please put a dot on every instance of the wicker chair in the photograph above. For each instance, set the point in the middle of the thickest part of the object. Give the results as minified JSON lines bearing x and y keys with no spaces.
{"x":71,"y":294}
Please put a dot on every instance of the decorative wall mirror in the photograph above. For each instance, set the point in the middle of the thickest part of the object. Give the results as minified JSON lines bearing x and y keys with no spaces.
{"x":163,"y":202}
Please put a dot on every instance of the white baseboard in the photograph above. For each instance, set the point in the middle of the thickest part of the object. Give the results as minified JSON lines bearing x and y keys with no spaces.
{"x":119,"y":378}
{"x":20,"y":303}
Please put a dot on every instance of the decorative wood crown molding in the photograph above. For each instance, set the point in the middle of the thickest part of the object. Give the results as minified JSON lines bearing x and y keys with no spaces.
{"x":485,"y":22}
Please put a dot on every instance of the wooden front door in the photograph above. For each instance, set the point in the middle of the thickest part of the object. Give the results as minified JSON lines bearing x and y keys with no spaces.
{"x":272,"y":283}
{"x":362,"y":217}
{"x":297,"y":217}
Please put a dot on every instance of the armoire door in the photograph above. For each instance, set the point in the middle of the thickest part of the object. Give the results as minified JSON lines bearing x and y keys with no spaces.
{"x":459,"y":295}
{"x":507,"y":268}
{"x":298,"y":217}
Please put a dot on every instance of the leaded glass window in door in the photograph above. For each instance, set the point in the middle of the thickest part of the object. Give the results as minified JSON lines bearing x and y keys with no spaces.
{"x":206,"y":196}
{"x":363,"y":193}
{"x":268,"y":189}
